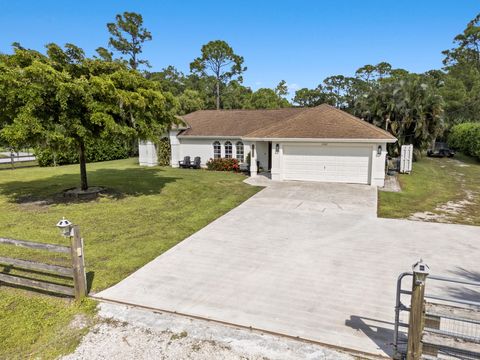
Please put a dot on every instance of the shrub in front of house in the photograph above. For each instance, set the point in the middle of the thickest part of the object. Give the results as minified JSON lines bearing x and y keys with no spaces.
{"x":223,"y":164}
{"x":466,"y":138}
{"x":164,"y":152}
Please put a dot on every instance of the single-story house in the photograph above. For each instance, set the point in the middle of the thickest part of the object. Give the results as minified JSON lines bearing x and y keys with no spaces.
{"x":321,"y":143}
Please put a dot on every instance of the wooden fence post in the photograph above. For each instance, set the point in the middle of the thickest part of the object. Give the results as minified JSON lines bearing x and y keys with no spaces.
{"x":417,"y":311}
{"x":78,"y":263}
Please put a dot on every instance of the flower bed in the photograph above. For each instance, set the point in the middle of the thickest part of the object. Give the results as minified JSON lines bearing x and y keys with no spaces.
{"x":223,"y":164}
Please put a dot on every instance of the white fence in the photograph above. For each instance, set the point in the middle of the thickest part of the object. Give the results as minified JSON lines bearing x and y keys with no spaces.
{"x":15,"y":158}
{"x":406,"y":158}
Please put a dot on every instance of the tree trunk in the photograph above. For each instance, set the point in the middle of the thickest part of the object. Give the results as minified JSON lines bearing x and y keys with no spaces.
{"x":83,"y":165}
{"x":218,"y":95}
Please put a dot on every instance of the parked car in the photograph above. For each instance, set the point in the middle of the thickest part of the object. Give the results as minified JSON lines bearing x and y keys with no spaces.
{"x":440,"y":150}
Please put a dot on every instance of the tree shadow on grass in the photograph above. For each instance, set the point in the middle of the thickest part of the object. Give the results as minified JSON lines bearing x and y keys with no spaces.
{"x":118,"y":183}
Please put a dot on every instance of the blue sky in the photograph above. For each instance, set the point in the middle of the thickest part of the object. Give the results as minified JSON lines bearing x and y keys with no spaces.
{"x":299,"y":41}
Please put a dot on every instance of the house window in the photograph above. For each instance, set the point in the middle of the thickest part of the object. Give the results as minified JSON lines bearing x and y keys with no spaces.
{"x":228,"y":149}
{"x":217,"y":150}
{"x":239,"y":149}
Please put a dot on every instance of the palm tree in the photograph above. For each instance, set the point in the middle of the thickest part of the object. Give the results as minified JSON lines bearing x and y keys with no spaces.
{"x":410,"y":108}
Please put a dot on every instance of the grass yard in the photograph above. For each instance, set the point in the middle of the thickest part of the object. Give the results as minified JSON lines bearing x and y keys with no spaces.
{"x":41,"y":327}
{"x":147,"y":211}
{"x":441,"y":190}
{"x":18,"y":165}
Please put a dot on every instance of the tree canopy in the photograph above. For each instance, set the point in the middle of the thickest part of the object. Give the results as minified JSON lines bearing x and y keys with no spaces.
{"x":219,"y":59}
{"x":64,"y":98}
{"x":461,"y":79}
{"x":127,"y":37}
{"x":265,"y":98}
{"x":410,"y":108}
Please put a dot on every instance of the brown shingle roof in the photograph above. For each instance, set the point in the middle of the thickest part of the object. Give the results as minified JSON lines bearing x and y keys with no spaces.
{"x":234,"y":122}
{"x":322,"y":122}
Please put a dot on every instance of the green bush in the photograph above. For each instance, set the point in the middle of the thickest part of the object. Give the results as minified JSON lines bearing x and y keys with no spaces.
{"x":223,"y":164}
{"x":164,"y":152}
{"x":96,"y":150}
{"x":466,"y":138}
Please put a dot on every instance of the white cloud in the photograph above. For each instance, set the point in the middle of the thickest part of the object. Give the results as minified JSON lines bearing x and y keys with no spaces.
{"x":293,"y":87}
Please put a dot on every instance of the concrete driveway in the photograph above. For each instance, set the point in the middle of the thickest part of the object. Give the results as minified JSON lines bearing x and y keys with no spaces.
{"x":302,"y":259}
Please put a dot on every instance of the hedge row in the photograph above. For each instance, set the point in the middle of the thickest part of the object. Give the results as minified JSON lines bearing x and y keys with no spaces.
{"x":223,"y":164}
{"x":96,"y":150}
{"x":466,"y":138}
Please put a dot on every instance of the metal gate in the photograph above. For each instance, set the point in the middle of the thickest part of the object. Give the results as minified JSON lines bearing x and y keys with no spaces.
{"x":450,"y":328}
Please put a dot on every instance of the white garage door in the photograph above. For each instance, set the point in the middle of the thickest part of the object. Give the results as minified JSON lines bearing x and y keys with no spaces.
{"x":326,"y":163}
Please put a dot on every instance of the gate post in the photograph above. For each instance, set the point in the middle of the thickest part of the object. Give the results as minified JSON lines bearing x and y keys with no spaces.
{"x":417,"y":311}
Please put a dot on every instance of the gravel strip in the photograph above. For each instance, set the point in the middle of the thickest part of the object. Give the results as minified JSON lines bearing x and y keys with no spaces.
{"x":131,"y":333}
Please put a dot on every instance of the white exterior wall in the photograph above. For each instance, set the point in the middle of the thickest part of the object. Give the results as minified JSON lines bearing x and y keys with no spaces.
{"x":175,"y":148}
{"x":204,"y":148}
{"x":378,"y":165}
{"x":147,"y":153}
{"x":276,"y":170}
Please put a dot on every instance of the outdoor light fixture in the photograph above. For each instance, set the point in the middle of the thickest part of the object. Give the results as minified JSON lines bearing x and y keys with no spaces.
{"x":421,"y":271}
{"x":277,"y":148}
{"x":65,"y":227}
{"x":253,"y":150}
{"x":379,"y":150}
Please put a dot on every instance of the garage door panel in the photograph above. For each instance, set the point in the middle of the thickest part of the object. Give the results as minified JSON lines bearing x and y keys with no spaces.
{"x":326,"y":163}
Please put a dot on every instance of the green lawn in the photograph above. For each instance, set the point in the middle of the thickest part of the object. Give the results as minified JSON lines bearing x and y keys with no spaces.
{"x":19,"y":165}
{"x":431,"y":185}
{"x":146,"y":212}
{"x":41,"y":327}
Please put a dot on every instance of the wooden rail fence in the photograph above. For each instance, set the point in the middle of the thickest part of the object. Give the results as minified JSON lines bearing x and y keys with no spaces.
{"x":16,"y":161}
{"x":76,"y":272}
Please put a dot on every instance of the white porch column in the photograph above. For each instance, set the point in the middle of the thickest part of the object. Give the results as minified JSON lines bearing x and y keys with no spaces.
{"x":277,"y":150}
{"x":174,"y":148}
{"x":253,"y":159}
{"x":147,"y":153}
